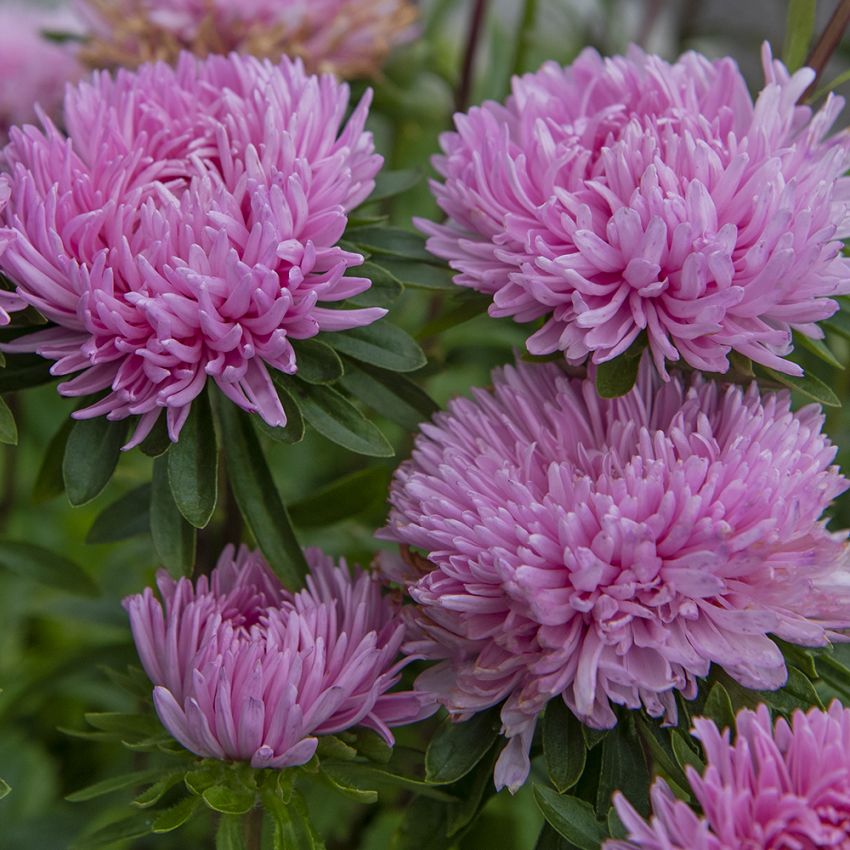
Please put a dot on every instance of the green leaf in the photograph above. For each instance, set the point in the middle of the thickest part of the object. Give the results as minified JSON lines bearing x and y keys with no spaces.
{"x":351,"y":792}
{"x":624,"y":768}
{"x":46,"y":567}
{"x":175,"y":816}
{"x":230,"y":834}
{"x":317,"y":362}
{"x":571,"y":817}
{"x":615,"y":378}
{"x":174,"y":539}
{"x":384,"y":291}
{"x":292,"y":827}
{"x":839,"y":324}
{"x":49,"y":482}
{"x":381,"y":344}
{"x":388,"y":184}
{"x":473,"y":791}
{"x":339,"y":421}
{"x":8,"y":428}
{"x":819,"y":348}
{"x":193,"y":465}
{"x":124,"y":518}
{"x":718,"y":706}
{"x":468,"y":305}
{"x":126,"y":726}
{"x":91,"y":455}
{"x":151,"y":796}
{"x":456,"y":748}
{"x":229,"y":799}
{"x":833,"y":84}
{"x":345,"y":497}
{"x":23,"y":371}
{"x":423,"y":827}
{"x":157,"y":441}
{"x":372,"y":777}
{"x":392,"y":395}
{"x":563,"y":745}
{"x":293,"y":431}
{"x":615,"y":825}
{"x":113,"y":784}
{"x":808,"y":385}
{"x":548,"y":839}
{"x":391,"y":241}
{"x":799,"y":27}
{"x":127,"y":829}
{"x":257,"y":495}
{"x":660,"y":748}
{"x":420,"y":275}
{"x":797,"y":692}
{"x":5,"y":789}
{"x":684,"y":753}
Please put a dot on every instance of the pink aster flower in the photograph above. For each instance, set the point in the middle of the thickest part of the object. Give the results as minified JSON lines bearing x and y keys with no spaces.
{"x":244,"y":670}
{"x":351,"y":38}
{"x":628,"y":195}
{"x":610,"y":551}
{"x":776,"y":788}
{"x":186,"y":228}
{"x":33,"y":70}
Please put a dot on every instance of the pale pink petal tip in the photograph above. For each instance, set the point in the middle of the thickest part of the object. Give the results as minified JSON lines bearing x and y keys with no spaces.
{"x":627,"y":196}
{"x":187,"y":230}
{"x":607,"y":552}
{"x":246,"y":671}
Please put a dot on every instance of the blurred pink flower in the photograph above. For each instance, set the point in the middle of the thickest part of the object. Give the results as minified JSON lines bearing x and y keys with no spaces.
{"x":33,"y":70}
{"x":627,"y":195}
{"x":246,"y":671}
{"x":187,"y":228}
{"x":351,"y":38}
{"x":776,"y":788}
{"x":610,"y":551}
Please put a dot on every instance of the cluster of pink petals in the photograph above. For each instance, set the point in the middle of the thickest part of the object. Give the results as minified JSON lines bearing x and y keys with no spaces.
{"x":33,"y":70}
{"x":776,"y":788}
{"x":186,"y":228}
{"x":627,"y":195}
{"x":610,"y":551}
{"x":245,"y":671}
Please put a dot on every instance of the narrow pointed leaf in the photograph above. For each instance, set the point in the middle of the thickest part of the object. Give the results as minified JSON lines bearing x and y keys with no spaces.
{"x":91,"y":455}
{"x":799,"y":27}
{"x":113,"y":784}
{"x":347,"y":496}
{"x":384,"y":291}
{"x":293,"y":431}
{"x":819,"y":348}
{"x":174,"y":817}
{"x":124,"y":830}
{"x":571,"y":817}
{"x":230,"y":834}
{"x":381,"y":344}
{"x":46,"y":567}
{"x":563,"y":745}
{"x":388,"y":184}
{"x":420,"y":275}
{"x":390,"y":241}
{"x":808,"y":385}
{"x":49,"y":482}
{"x":124,"y":518}
{"x":173,"y":538}
{"x":456,"y":748}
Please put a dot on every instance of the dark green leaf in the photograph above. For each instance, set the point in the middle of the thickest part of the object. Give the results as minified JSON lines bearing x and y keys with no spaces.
{"x":592,"y":737}
{"x":339,"y":421}
{"x":423,"y":827}
{"x":230,"y":834}
{"x":293,"y":431}
{"x":157,"y":441}
{"x":381,"y":344}
{"x":551,"y":840}
{"x":456,"y":748}
{"x":388,"y":184}
{"x":91,"y":455}
{"x":393,"y":396}
{"x":5,"y":789}
{"x":808,"y":385}
{"x":351,"y":792}
{"x":49,"y":482}
{"x":834,"y":674}
{"x":8,"y":428}
{"x":257,"y":496}
{"x":839,"y":324}
{"x":317,"y":363}
{"x":46,"y":567}
{"x":173,"y":538}
{"x":563,"y":745}
{"x":384,"y":291}
{"x":136,"y":826}
{"x":390,"y":241}
{"x":615,"y":825}
{"x":657,"y":742}
{"x":347,"y":496}
{"x":372,"y":777}
{"x":469,"y":306}
{"x":616,"y":377}
{"x":113,"y":784}
{"x":473,"y":791}
{"x":23,"y":371}
{"x":175,"y":816}
{"x":799,"y":26}
{"x":571,"y":817}
{"x":229,"y":799}
{"x":819,"y":348}
{"x":126,"y":517}
{"x":718,"y":706}
{"x":419,"y":275}
{"x":193,"y":465}
{"x":797,"y":692}
{"x":800,"y":657}
{"x":624,"y":768}
{"x":685,"y":755}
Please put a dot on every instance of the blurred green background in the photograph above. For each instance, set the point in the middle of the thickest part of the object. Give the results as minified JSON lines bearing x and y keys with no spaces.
{"x":54,"y":645}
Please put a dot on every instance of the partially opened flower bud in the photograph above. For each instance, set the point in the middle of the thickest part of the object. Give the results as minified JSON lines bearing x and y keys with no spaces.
{"x":609,"y":551}
{"x":243,"y":670}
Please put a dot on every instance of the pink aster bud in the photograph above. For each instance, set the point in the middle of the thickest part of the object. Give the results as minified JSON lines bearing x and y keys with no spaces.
{"x":246,"y":671}
{"x":350,"y":38}
{"x":777,"y":786}
{"x":609,"y":551}
{"x":623,"y":196}
{"x":186,"y":229}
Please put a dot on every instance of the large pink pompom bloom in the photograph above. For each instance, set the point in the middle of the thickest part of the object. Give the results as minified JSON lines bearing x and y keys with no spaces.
{"x":187,"y":228}
{"x":628,"y":195}
{"x":33,"y":70}
{"x":246,"y":671}
{"x":782,"y":787}
{"x":610,"y":551}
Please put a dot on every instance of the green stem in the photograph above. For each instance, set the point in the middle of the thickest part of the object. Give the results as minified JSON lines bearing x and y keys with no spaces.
{"x":526,"y":27}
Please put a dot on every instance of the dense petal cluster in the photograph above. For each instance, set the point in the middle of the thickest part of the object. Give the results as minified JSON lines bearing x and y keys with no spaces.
{"x":245,"y":671}
{"x":33,"y":70}
{"x":775,"y":788}
{"x":610,"y":551}
{"x":627,"y":195}
{"x":350,"y":38}
{"x":187,"y":228}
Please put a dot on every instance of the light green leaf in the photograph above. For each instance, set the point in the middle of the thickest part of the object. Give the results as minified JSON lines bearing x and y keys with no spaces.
{"x":5,"y":789}
{"x":46,"y":567}
{"x":230,"y":834}
{"x":175,"y":816}
{"x":799,"y":27}
{"x":229,"y":800}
